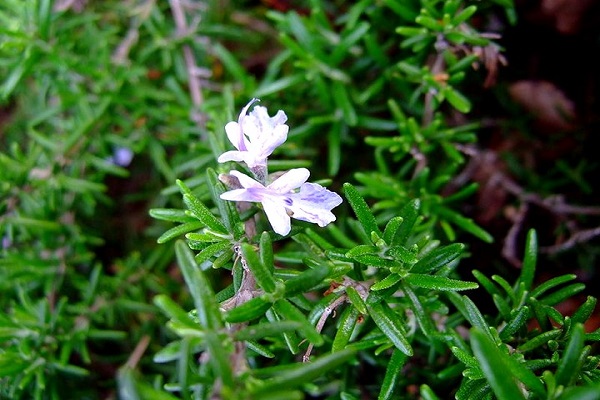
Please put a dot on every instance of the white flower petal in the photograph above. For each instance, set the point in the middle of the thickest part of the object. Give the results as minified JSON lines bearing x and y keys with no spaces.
{"x":256,"y":134}
{"x":232,"y":155}
{"x":245,"y":110}
{"x":292,"y":179}
{"x":277,"y":215}
{"x":314,"y":203}
{"x":235,"y":135}
{"x":246,"y":181}
{"x":242,"y":195}
{"x":280,"y":118}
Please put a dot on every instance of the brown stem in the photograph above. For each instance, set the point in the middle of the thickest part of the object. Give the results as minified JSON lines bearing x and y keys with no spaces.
{"x":194,"y":85}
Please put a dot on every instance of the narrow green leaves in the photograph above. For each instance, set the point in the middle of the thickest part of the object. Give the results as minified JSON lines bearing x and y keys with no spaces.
{"x":457,"y":99}
{"x":439,"y":282}
{"x":248,"y":311}
{"x":389,"y":323}
{"x":438,"y":258}
{"x":539,"y":340}
{"x":410,"y":215}
{"x":265,"y":330}
{"x":361,"y":209}
{"x":227,"y":211}
{"x":306,"y":280}
{"x":529,"y":261}
{"x":219,"y":358}
{"x":303,"y":373}
{"x":516,"y":322}
{"x":494,"y":367}
{"x":392,"y":375}
{"x":287,"y":310}
{"x":170,"y":214}
{"x":570,"y":363}
{"x":179,"y":231}
{"x":266,"y":251}
{"x":346,"y":327}
{"x":262,"y":274}
{"x":200,"y":289}
{"x":174,"y":311}
{"x":199,"y":210}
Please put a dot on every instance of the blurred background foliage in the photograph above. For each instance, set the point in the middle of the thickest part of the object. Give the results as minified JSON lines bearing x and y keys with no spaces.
{"x":483,"y":111}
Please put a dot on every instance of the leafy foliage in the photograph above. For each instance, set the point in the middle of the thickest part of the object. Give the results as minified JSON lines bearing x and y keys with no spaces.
{"x":203,"y":300}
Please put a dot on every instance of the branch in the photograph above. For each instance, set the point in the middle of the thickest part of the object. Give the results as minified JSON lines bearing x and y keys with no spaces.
{"x":194,"y":85}
{"x":555,"y":204}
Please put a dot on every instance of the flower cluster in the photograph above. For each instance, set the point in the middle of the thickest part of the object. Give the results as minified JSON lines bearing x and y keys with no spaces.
{"x":255,"y":136}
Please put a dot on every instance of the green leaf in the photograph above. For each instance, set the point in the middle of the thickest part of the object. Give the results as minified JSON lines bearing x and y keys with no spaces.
{"x":467,"y":307}
{"x":334,"y":147}
{"x":199,"y":210}
{"x":377,"y":261}
{"x":212,"y":250}
{"x":391,"y":228}
{"x":409,"y":214}
{"x":361,"y":209}
{"x":388,"y":321}
{"x":494,"y":366}
{"x":473,"y":389}
{"x":174,"y":311}
{"x":539,"y":340}
{"x":303,"y":373}
{"x":252,"y":309}
{"x":465,"y":223}
{"x":288,"y":311}
{"x":517,"y":321}
{"x":306,"y":280}
{"x":487,"y":283}
{"x":393,"y":375}
{"x":266,"y":251}
{"x":219,"y":357}
{"x":438,"y":258}
{"x":423,"y":318}
{"x":530,"y":260}
{"x":259,"y":349}
{"x":569,"y":365}
{"x":401,"y":253}
{"x":550,"y":284}
{"x":345,"y":329}
{"x":464,"y":357}
{"x":584,"y":311}
{"x":428,"y":394}
{"x":438,"y":282}
{"x":464,"y":15}
{"x":227,"y":210}
{"x":262,"y":274}
{"x":362,"y":249}
{"x":356,"y":300}
{"x":231,"y":64}
{"x":342,"y":99}
{"x":590,"y":392}
{"x":267,"y":329}
{"x":386,"y":282}
{"x":200,"y":289}
{"x":563,"y":294}
{"x":278,"y":86}
{"x":171,"y":214}
{"x":179,"y":231}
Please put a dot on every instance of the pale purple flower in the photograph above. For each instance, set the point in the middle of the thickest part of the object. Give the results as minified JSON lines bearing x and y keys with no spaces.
{"x":280,"y":201}
{"x":122,"y":156}
{"x":255,"y":136}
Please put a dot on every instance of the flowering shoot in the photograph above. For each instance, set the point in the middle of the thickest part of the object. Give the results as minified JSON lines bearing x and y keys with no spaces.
{"x":255,"y":136}
{"x":280,"y":200}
